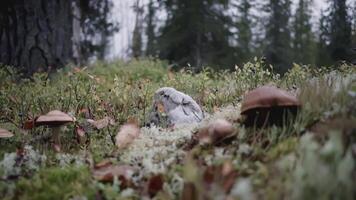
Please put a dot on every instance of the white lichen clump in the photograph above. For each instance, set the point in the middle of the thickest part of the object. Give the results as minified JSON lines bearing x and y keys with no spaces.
{"x":156,"y":148}
{"x":14,"y":164}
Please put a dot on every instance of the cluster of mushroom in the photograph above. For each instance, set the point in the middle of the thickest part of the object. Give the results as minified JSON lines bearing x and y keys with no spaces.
{"x":54,"y":120}
{"x":261,"y":107}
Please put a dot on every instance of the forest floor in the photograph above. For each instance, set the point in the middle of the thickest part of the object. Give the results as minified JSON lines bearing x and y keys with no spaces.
{"x":312,"y":157}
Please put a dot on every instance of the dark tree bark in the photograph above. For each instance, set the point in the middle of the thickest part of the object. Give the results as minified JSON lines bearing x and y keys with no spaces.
{"x":36,"y":35}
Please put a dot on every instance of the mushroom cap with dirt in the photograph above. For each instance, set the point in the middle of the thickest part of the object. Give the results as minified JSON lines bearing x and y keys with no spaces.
{"x":5,"y":133}
{"x":268,"y":105}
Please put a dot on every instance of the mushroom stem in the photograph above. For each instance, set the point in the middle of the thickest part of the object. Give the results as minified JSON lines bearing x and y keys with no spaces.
{"x":55,"y":135}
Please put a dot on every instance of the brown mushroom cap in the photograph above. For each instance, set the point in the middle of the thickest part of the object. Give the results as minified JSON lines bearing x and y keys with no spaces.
{"x":5,"y":133}
{"x":268,"y":105}
{"x":267,"y":97}
{"x":216,"y":131}
{"x":53,"y":118}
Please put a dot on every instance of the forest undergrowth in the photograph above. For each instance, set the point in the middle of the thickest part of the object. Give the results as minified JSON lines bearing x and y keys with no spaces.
{"x":312,"y":157}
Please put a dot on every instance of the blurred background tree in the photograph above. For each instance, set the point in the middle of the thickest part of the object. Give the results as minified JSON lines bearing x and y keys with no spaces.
{"x":278,"y":35}
{"x":303,"y":42}
{"x":244,"y":33}
{"x":196,"y":33}
{"x":39,"y":35}
{"x":340,"y":31}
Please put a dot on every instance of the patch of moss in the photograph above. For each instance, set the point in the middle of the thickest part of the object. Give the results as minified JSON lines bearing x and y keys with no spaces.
{"x":56,"y":183}
{"x":282,"y":148}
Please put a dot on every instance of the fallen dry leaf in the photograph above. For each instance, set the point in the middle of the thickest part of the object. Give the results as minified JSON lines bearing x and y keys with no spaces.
{"x":5,"y":133}
{"x":170,"y":75}
{"x":154,"y":185}
{"x":190,"y":192}
{"x":57,"y":148}
{"x":85,"y":112}
{"x":103,"y":123}
{"x":107,"y":174}
{"x":223,"y":175}
{"x":103,"y":164}
{"x":127,"y":134}
{"x":80,"y":133}
{"x":29,"y":124}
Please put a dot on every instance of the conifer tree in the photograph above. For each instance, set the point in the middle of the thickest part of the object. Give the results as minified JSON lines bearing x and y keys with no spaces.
{"x":278,"y":39}
{"x":340,"y":31}
{"x":244,"y":32}
{"x":303,"y":41}
{"x":137,"y":33}
{"x":196,"y":33}
{"x":150,"y":29}
{"x":323,"y":57}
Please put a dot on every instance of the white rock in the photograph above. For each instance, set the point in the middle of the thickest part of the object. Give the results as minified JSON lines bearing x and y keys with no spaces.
{"x":179,"y":108}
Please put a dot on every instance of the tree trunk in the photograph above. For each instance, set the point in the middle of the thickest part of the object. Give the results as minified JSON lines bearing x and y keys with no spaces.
{"x":36,"y":35}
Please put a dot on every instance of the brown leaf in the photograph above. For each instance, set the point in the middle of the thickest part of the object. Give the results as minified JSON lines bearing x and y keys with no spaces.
{"x":103,"y":123}
{"x":170,"y":75}
{"x":5,"y":133}
{"x":77,"y":69}
{"x":209,"y":175}
{"x":13,"y":99}
{"x":107,"y":174}
{"x":227,"y":168}
{"x":216,"y":109}
{"x":86,"y":112}
{"x":190,"y":192}
{"x":29,"y":124}
{"x":229,"y":181}
{"x":103,"y":164}
{"x":222,"y":175}
{"x":155,"y":184}
{"x":80,"y":133}
{"x":57,"y":148}
{"x":133,"y":120}
{"x":127,"y":134}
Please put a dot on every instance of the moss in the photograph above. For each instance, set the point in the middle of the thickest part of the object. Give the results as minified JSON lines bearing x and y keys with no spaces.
{"x":283,"y":148}
{"x":56,"y":183}
{"x":124,"y":91}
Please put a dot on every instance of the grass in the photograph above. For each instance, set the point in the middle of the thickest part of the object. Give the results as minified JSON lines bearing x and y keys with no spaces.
{"x":269,"y":163}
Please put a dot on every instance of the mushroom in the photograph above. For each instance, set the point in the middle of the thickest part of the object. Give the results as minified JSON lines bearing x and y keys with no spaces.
{"x":5,"y":133}
{"x":215,"y":132}
{"x":268,"y":105}
{"x":54,"y":119}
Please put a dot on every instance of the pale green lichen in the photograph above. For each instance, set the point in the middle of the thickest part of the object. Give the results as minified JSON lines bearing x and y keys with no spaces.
{"x":158,"y":148}
{"x":323,"y":171}
{"x":29,"y":161}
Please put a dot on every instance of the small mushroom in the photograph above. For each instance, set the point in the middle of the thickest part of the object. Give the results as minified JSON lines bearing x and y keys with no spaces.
{"x":54,"y":119}
{"x":268,"y":105}
{"x":215,"y":132}
{"x":5,"y":133}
